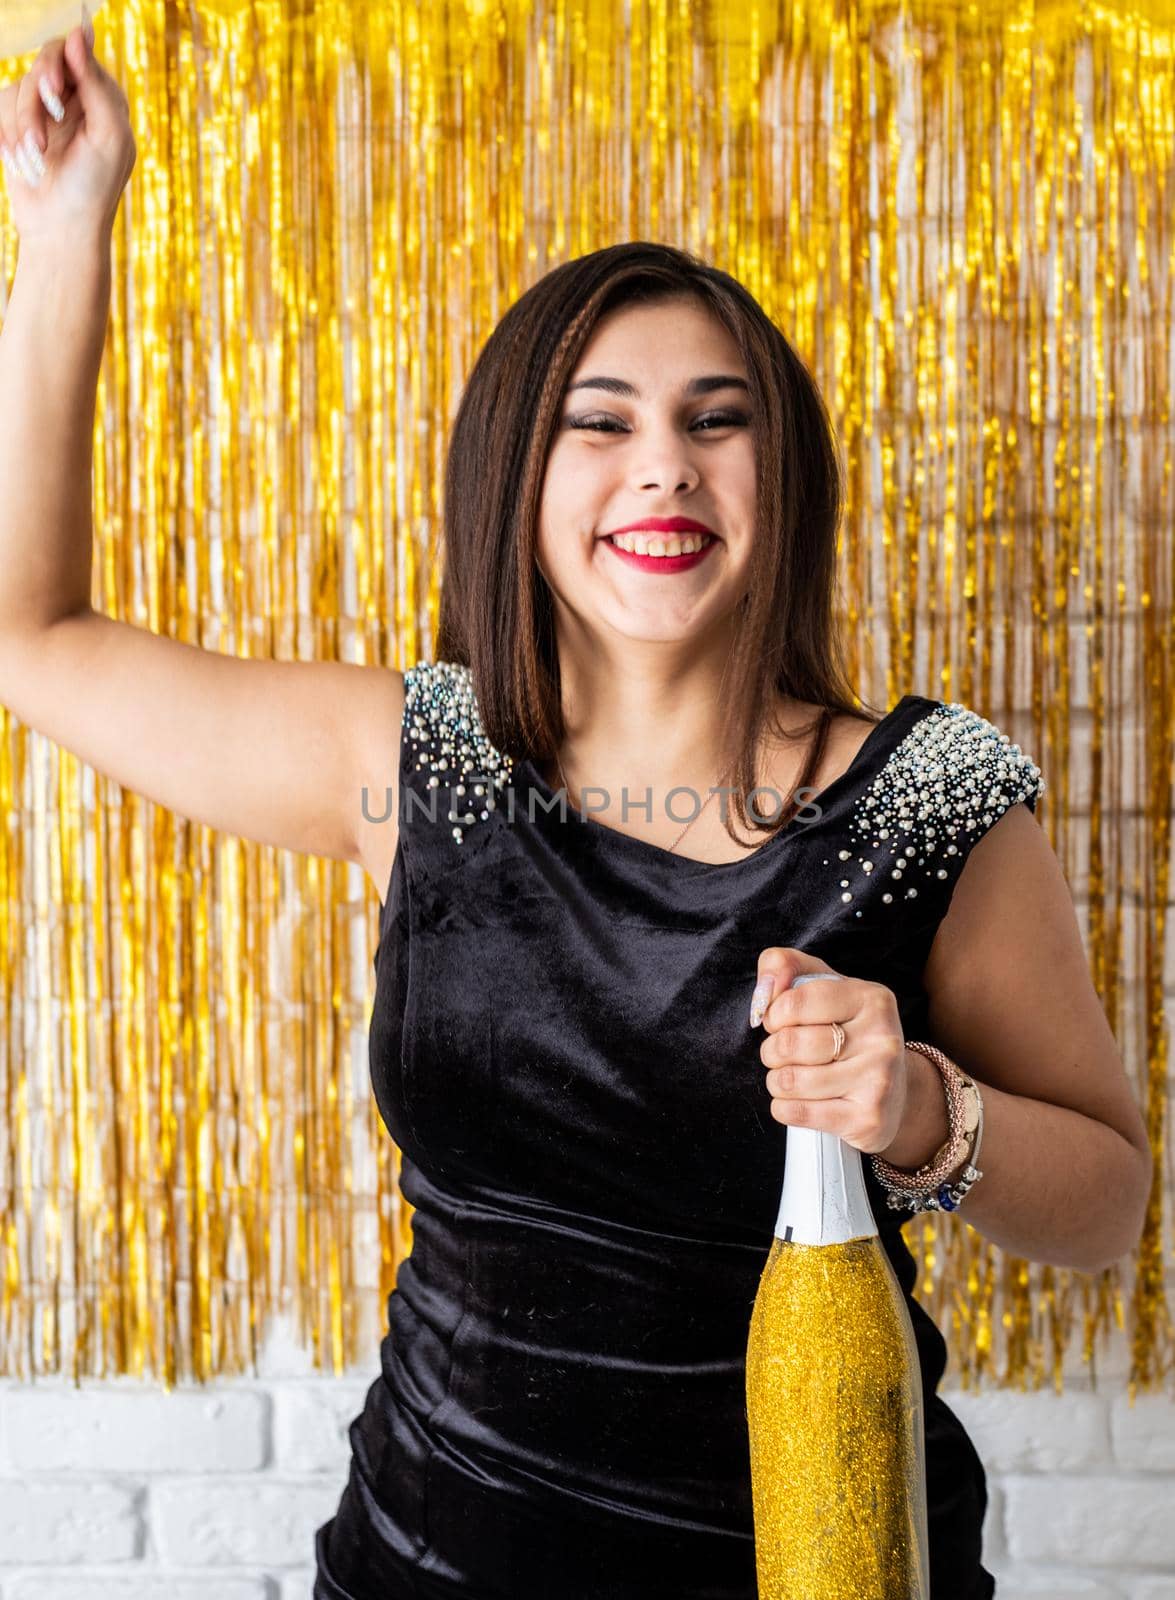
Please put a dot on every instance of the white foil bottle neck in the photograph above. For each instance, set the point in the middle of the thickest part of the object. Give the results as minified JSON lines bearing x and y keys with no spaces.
{"x":824,"y":1200}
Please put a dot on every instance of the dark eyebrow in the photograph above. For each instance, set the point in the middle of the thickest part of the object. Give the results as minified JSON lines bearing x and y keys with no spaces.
{"x":625,"y":391}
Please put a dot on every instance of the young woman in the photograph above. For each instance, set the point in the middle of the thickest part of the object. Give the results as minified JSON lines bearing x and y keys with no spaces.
{"x":593,"y":1123}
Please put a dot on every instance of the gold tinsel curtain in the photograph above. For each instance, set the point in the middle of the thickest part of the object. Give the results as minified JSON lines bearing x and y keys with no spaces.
{"x":963,"y":217}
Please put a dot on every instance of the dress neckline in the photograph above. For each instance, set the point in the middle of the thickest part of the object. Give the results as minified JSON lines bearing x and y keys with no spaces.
{"x":604,"y":834}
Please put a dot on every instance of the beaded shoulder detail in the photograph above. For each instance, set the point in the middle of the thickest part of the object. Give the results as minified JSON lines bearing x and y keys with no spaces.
{"x":442,"y":722}
{"x":951,"y":777}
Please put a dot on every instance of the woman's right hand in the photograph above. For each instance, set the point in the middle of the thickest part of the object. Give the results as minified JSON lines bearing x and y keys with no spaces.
{"x":87,"y":157}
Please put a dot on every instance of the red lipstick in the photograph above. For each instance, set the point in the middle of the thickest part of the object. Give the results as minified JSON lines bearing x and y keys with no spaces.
{"x":666,"y":564}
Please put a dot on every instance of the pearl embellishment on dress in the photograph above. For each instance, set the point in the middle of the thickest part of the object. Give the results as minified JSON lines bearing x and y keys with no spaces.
{"x":951,"y":777}
{"x":442,"y":721}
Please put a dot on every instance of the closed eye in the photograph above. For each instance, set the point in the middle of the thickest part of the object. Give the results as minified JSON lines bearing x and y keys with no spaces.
{"x":598,"y":423}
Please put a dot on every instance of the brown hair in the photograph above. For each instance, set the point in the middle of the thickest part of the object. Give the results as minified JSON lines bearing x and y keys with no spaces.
{"x":496,"y":616}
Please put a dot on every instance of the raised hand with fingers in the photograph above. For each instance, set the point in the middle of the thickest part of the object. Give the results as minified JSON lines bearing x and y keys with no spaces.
{"x":65,"y":141}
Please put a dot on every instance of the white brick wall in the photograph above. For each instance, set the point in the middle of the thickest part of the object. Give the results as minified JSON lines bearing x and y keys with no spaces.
{"x":118,"y":1491}
{"x":1082,"y":1491}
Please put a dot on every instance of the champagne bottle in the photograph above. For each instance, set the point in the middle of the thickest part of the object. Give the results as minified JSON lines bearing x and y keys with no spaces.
{"x":834,"y":1394}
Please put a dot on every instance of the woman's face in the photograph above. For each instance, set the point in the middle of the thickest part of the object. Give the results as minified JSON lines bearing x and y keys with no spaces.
{"x":659,"y":451}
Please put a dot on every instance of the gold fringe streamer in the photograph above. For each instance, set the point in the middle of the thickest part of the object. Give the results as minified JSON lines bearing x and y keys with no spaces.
{"x":961,"y":216}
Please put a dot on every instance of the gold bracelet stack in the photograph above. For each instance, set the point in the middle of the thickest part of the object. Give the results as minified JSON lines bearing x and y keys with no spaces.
{"x":927,"y":1189}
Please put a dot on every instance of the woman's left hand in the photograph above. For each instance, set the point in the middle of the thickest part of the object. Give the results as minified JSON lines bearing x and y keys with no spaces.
{"x":862,"y":1095}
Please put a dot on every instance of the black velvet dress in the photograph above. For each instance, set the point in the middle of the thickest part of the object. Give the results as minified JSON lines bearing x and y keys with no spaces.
{"x":560,"y":1048}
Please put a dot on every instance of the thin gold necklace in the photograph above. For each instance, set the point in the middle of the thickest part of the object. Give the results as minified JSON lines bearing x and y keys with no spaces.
{"x":683,"y":832}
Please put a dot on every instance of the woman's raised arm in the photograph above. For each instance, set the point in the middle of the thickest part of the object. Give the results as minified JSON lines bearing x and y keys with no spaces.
{"x":274,"y":751}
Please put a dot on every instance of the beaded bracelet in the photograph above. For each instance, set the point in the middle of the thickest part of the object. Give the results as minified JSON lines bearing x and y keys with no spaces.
{"x":926,"y":1189}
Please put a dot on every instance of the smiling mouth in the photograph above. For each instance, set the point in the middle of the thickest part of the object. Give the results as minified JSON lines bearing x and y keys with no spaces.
{"x":698,"y":547}
{"x":686,"y":543}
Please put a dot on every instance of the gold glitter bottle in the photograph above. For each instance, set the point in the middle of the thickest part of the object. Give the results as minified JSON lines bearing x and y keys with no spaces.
{"x":834,"y":1395}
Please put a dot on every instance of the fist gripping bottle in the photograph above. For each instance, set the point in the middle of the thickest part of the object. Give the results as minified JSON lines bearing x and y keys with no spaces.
{"x":834,"y":1394}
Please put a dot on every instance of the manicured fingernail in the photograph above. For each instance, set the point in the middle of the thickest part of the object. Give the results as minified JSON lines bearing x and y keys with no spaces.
{"x":24,"y":166}
{"x":33,"y":150}
{"x":761,"y":998}
{"x":50,"y":100}
{"x":9,"y":163}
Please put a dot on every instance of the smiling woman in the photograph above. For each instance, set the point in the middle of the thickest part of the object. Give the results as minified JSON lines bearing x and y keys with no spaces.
{"x":640,"y":388}
{"x":646,"y":635}
{"x":641,"y":518}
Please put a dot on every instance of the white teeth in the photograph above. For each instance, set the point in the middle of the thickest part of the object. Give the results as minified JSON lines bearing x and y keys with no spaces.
{"x":642,"y":544}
